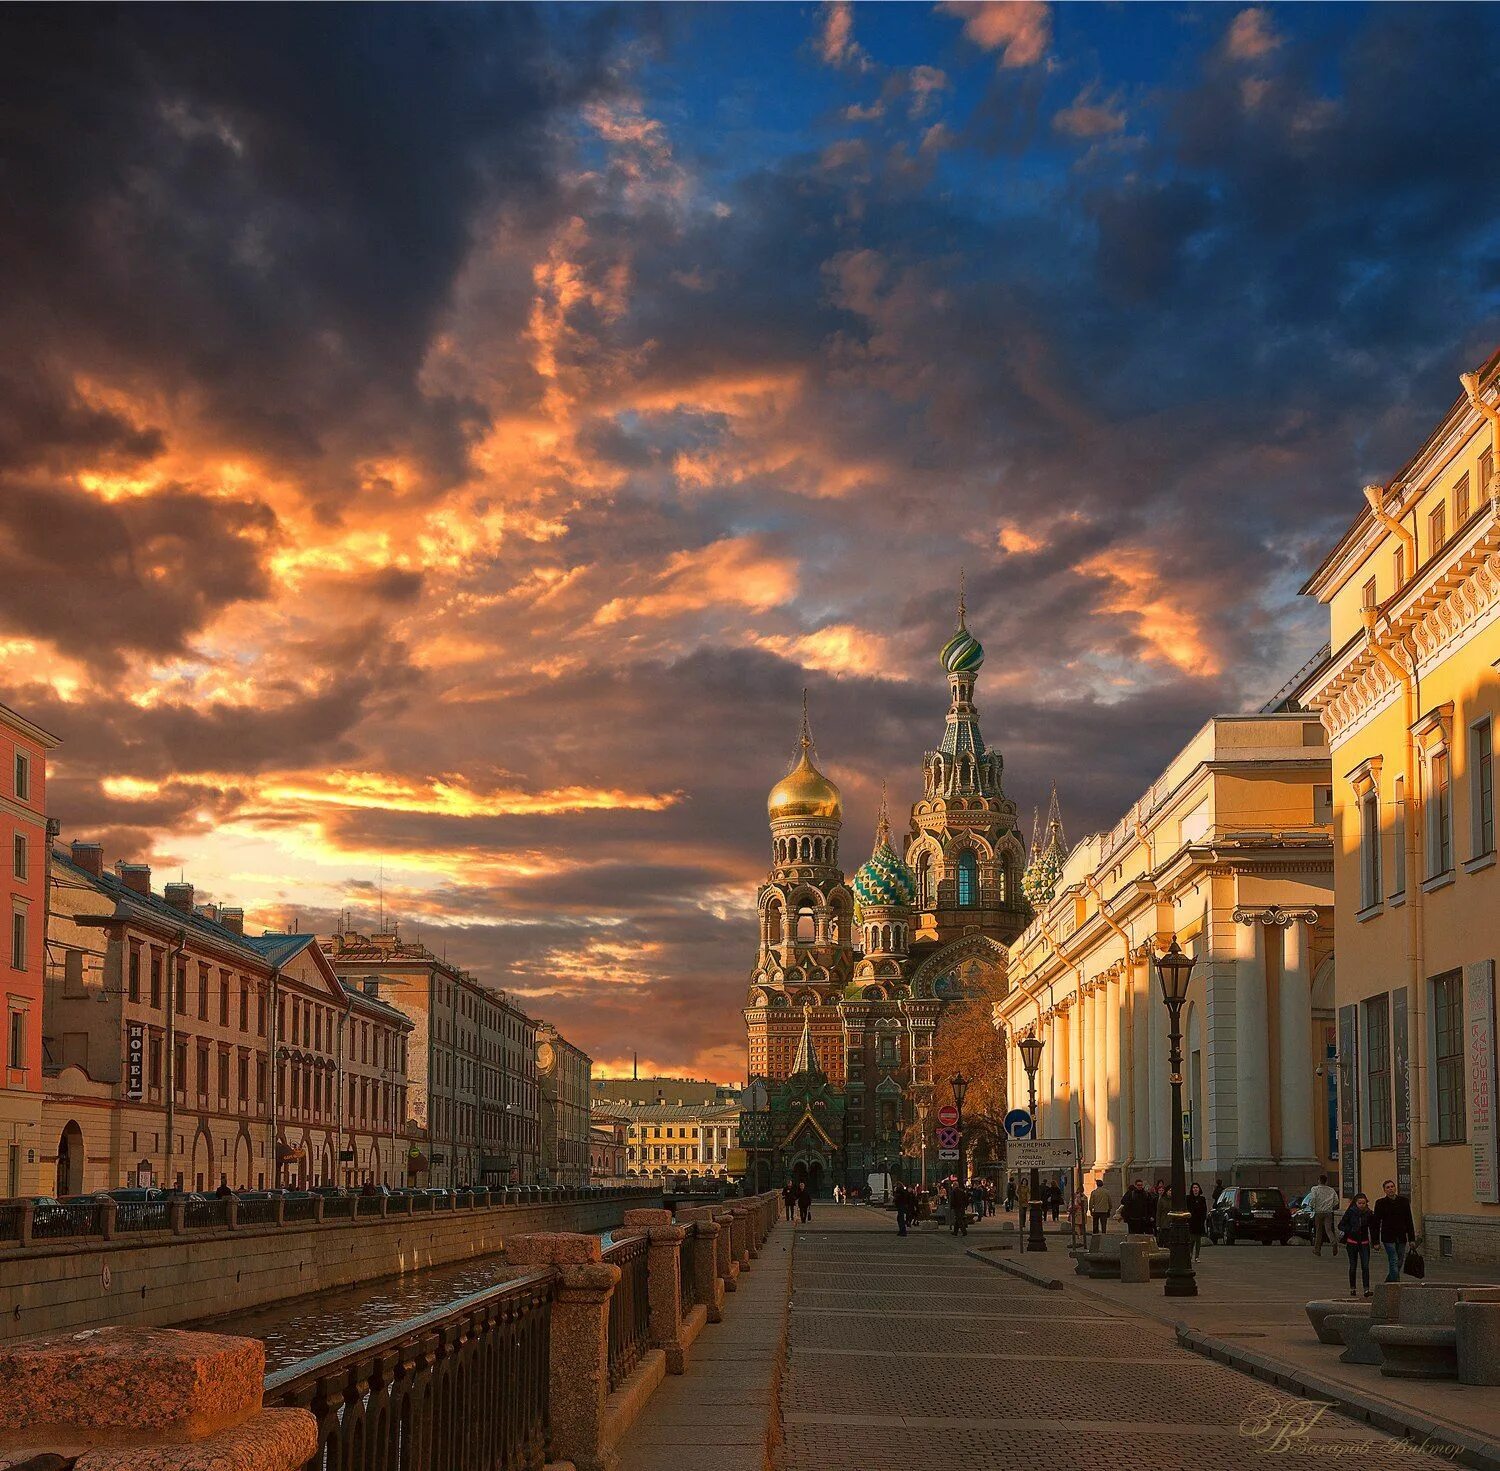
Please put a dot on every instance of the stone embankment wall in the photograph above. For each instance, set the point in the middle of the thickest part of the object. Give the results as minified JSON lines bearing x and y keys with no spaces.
{"x":159,"y":1280}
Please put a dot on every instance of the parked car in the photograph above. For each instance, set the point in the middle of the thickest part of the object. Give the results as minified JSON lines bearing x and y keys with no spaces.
{"x":1302,"y":1218}
{"x":1254,"y":1213}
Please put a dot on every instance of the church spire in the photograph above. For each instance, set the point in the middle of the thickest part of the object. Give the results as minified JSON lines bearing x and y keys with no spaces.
{"x":962,"y":626}
{"x":806,"y":1060}
{"x":883,"y":826}
{"x":1048,"y":855}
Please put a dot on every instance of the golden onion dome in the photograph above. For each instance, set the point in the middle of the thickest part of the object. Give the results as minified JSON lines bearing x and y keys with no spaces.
{"x":805,"y":792}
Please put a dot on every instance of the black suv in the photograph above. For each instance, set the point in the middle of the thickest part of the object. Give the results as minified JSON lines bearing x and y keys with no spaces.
{"x":1255,"y":1213}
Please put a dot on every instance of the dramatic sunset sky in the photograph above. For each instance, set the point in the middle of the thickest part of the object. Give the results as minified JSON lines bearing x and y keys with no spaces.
{"x":450,"y":438}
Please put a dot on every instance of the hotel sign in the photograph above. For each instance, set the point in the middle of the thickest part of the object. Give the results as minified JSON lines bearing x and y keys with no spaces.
{"x":1348,"y":1066}
{"x":1401,"y":1066}
{"x":1479,"y":1045}
{"x":135,"y":1059}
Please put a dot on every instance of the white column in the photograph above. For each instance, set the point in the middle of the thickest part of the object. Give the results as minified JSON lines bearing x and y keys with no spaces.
{"x":1080,"y":1074}
{"x":1160,"y":1108}
{"x":1098,"y":1076}
{"x":1251,"y":1046}
{"x":1114,"y":998}
{"x":1140,"y":1060}
{"x":1296,"y":1046}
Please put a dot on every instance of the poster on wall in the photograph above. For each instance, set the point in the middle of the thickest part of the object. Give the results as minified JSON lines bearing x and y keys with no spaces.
{"x":135,"y":1060}
{"x":1348,"y":1070}
{"x":1401,"y":1079}
{"x":1479,"y":1047}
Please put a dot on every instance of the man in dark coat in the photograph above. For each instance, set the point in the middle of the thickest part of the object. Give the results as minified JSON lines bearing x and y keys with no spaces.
{"x":1393,"y":1228}
{"x":958,"y":1209}
{"x":1138,"y":1210}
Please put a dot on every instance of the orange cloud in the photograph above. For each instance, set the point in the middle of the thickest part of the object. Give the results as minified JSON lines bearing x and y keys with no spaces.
{"x":839,"y":648}
{"x":1251,"y":35}
{"x":1019,"y":29}
{"x":737,"y":571}
{"x":1165,"y":617}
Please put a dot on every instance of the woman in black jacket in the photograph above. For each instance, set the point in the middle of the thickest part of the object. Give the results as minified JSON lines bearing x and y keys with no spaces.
{"x":1197,"y":1217}
{"x":1354,"y":1232}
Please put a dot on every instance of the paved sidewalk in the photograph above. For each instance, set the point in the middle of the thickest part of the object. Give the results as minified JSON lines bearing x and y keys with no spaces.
{"x":906,"y":1351}
{"x":718,"y":1416}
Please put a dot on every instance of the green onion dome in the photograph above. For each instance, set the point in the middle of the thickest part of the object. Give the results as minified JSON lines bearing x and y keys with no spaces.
{"x":884,"y":881}
{"x":962,"y":654}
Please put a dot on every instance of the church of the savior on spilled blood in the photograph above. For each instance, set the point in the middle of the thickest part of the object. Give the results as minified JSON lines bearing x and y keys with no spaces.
{"x":853,"y":974}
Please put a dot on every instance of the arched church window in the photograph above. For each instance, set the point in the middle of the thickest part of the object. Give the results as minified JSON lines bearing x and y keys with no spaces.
{"x":924,"y":881}
{"x":773,"y":924}
{"x":968,"y":878}
{"x":807,"y":850}
{"x":807,"y":928}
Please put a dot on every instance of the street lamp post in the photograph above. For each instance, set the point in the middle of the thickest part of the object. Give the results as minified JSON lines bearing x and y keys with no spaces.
{"x":1175,"y":970}
{"x":960,"y":1086}
{"x":1031,"y":1058}
{"x":922,"y":1139}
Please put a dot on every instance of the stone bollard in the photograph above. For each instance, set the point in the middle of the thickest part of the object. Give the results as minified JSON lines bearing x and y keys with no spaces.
{"x":742,"y":1236}
{"x":146,"y":1399}
{"x":177,"y":1216}
{"x":706,"y":1277}
{"x":663,"y":1282}
{"x":108,"y":1212}
{"x":578,"y":1374}
{"x":725,"y":1260}
{"x":232,"y":1213}
{"x":1476,"y":1336}
{"x":1135,"y":1259}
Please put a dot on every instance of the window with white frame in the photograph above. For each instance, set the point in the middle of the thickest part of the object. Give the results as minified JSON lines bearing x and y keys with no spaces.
{"x":1481,"y":788}
{"x":18,"y":939}
{"x":1377,"y":1055}
{"x":1439,"y":814}
{"x":1369,"y":848}
{"x":1448,"y":1058}
{"x":1398,"y":837}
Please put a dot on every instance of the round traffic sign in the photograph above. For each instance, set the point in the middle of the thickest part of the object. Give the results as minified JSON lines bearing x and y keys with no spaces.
{"x":948,"y":1116}
{"x":1018,"y":1124}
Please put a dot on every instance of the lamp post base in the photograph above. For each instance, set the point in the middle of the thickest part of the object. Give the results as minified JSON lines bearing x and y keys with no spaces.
{"x":1181,"y":1279}
{"x":1035,"y":1241}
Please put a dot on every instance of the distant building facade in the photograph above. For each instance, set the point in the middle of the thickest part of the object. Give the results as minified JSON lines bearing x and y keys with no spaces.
{"x":1410,"y":696}
{"x":660,"y":1090}
{"x":609,"y":1141}
{"x":24,"y":834}
{"x":563,"y":1086}
{"x":182,"y":1052}
{"x":692,"y":1139}
{"x":473,"y":1098}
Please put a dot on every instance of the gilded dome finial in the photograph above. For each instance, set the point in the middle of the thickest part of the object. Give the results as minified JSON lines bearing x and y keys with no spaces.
{"x":804,"y":791}
{"x":883,"y":826}
{"x":806,"y":734}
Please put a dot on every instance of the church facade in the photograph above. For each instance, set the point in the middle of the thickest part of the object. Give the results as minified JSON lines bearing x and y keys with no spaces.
{"x":852,"y":975}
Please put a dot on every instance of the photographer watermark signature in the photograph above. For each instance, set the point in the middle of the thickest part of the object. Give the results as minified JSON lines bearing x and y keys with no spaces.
{"x":1285,"y":1427}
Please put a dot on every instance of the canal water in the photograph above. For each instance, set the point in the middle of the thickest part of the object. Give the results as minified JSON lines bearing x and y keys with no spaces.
{"x":304,"y":1326}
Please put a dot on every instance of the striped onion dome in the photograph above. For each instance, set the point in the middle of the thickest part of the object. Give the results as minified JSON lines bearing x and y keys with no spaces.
{"x":884,"y":881}
{"x":962,"y":654}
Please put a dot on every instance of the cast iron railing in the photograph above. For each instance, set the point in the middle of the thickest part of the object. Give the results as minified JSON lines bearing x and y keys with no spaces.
{"x":462,"y":1388}
{"x":67,"y":1218}
{"x":629,"y":1308}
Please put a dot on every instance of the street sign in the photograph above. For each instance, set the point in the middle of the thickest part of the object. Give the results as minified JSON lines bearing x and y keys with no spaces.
{"x":947,"y":1138}
{"x":1018,"y":1124}
{"x":947,"y":1116}
{"x":947,"y":1154}
{"x":1039,"y":1154}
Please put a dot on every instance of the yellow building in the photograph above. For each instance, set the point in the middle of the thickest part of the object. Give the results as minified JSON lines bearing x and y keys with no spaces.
{"x":692,"y":1139}
{"x":1231,"y":850}
{"x":1409,"y":696}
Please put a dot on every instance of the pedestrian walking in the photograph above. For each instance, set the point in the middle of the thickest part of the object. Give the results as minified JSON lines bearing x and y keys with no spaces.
{"x":1138,"y":1209}
{"x":788,"y":1198}
{"x":905,"y":1204}
{"x":1010,"y":1195}
{"x":958,"y":1209}
{"x":1101,"y":1203}
{"x":1394,"y":1228}
{"x":1323,"y":1204}
{"x":1355,"y":1231}
{"x":1197,"y":1217}
{"x":804,"y":1202}
{"x":1162,"y":1207}
{"x":1054,"y":1200}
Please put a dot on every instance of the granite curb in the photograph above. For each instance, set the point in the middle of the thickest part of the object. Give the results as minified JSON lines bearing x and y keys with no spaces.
{"x":1473,"y":1449}
{"x":1035,"y":1276}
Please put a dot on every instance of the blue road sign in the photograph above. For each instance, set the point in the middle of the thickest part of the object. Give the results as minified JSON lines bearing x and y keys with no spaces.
{"x":1018,"y":1124}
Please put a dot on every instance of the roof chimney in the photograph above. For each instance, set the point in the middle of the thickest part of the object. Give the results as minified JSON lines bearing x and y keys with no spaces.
{"x":135,"y":876}
{"x":233,"y":920}
{"x":209,"y":911}
{"x":179,"y":896}
{"x":90,"y":858}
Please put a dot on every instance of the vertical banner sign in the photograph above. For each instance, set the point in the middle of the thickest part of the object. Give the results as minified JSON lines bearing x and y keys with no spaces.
{"x":1479,"y":1047}
{"x":1348,"y":1066}
{"x":1401,"y":1079}
{"x":135,"y":1059}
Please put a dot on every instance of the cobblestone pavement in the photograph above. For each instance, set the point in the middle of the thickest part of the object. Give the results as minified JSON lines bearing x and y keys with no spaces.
{"x":902,"y":1349}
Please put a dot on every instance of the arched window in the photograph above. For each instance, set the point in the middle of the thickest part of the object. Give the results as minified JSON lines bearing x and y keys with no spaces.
{"x":968,"y":878}
{"x":807,"y":850}
{"x":924,"y":881}
{"x":773,"y":923}
{"x":807,"y":927}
